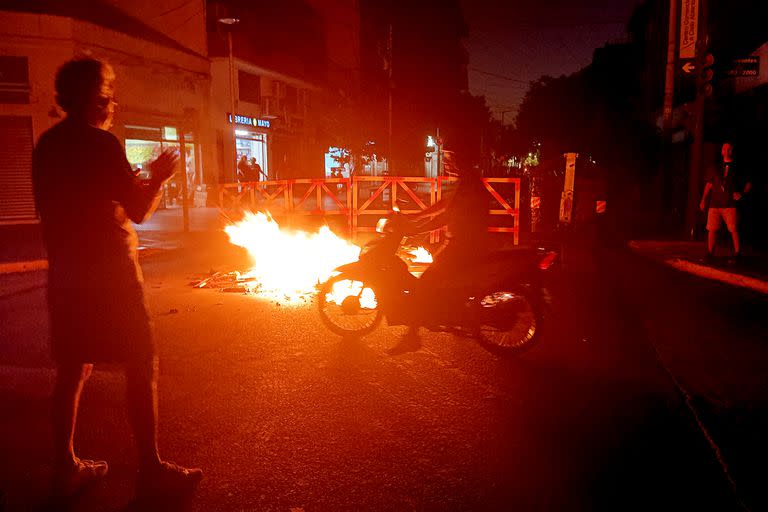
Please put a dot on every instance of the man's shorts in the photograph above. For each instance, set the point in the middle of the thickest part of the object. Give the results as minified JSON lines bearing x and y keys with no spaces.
{"x":717,"y":215}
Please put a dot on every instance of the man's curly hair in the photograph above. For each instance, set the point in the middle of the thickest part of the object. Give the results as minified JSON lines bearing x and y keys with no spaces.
{"x":78,"y":80}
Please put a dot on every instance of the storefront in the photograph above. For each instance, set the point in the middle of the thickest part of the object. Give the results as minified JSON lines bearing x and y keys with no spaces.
{"x":251,"y":141}
{"x":144,"y":143}
{"x":337,"y":163}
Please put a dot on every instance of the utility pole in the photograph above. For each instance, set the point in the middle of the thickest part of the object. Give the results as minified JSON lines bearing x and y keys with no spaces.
{"x":232,"y":101}
{"x":502,"y":118}
{"x":390,"y":86}
{"x":669,"y":78}
{"x":694,"y":171}
{"x":439,"y":143}
{"x":183,"y":169}
{"x":229,"y":24}
{"x":669,"y":96}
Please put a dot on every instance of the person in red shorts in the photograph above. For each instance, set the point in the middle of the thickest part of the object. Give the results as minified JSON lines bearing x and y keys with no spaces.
{"x":725,"y":186}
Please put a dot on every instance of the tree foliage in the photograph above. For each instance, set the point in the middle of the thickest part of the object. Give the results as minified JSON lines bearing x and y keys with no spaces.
{"x":593,"y":112}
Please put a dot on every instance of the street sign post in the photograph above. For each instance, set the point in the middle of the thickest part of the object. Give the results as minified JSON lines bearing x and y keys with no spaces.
{"x":689,"y":28}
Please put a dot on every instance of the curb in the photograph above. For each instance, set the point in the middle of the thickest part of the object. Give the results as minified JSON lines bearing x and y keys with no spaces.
{"x":17,"y":267}
{"x":715,"y":274}
{"x":23,"y":266}
{"x":704,"y":271}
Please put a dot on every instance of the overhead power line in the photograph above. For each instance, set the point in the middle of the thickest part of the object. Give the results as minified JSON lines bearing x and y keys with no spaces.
{"x":517,"y":80}
{"x":172,"y":9}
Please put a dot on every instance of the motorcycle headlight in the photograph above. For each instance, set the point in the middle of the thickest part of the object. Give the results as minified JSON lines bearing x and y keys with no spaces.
{"x":381,"y":224}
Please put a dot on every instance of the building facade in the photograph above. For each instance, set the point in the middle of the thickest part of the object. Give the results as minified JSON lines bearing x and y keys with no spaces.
{"x":273,"y":98}
{"x":162,"y":88}
{"x":285,"y":73}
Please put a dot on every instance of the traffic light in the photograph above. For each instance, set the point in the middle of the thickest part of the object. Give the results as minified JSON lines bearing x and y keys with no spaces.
{"x":705,"y":75}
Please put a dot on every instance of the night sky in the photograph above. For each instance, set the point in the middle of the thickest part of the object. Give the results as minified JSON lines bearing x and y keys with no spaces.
{"x":524,"y":40}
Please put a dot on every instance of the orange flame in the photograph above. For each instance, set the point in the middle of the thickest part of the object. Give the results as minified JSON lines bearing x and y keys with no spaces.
{"x":421,"y":255}
{"x":346,"y":288}
{"x":287,"y":266}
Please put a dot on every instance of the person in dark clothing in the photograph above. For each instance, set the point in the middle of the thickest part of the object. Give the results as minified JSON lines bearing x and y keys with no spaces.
{"x":726,"y":188}
{"x":243,"y":169}
{"x":465,"y":214}
{"x":87,"y":195}
{"x":255,"y":170}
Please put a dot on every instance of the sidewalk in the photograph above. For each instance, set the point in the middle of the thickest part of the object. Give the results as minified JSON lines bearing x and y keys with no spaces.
{"x":751,"y":272}
{"x":22,"y":249}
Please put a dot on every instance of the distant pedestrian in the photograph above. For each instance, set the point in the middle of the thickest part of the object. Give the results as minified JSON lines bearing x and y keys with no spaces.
{"x":727,"y":187}
{"x":87,"y":196}
{"x":243,"y":169}
{"x":256,"y":171}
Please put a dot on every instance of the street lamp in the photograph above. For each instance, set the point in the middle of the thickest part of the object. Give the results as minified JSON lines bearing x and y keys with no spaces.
{"x":229,"y":24}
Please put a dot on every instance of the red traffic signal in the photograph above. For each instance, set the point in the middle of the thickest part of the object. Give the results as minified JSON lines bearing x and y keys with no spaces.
{"x":706,"y":74}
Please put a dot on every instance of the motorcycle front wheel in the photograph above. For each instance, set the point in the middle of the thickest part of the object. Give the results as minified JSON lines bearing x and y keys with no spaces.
{"x":507,"y":322}
{"x":348,"y":307}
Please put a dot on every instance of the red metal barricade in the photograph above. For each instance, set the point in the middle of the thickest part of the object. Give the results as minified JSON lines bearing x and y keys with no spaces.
{"x":343,"y":197}
{"x":256,"y":195}
{"x":500,"y":204}
{"x":494,"y":187}
{"x":332,"y":196}
{"x":387,"y":191}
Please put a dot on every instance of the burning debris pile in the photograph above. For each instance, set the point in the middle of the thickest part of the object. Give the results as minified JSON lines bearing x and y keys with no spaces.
{"x":226,"y":282}
{"x":287,"y":265}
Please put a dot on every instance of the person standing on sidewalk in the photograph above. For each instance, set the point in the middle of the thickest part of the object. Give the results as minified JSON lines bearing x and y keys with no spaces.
{"x":724,"y":184}
{"x":87,"y":195}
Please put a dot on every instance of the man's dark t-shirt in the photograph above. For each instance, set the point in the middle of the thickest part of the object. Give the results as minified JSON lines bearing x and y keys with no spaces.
{"x":724,"y":182}
{"x":468,"y":216}
{"x":86,"y":195}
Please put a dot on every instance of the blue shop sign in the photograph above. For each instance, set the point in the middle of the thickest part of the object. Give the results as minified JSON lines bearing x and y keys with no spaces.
{"x":250,"y":121}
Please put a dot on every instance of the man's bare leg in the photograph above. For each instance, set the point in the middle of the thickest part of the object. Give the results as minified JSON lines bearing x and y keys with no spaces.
{"x":711,"y":240}
{"x":70,"y":474}
{"x":736,"y":244}
{"x":155,"y":475}
{"x":141,"y":394}
{"x":70,"y":379}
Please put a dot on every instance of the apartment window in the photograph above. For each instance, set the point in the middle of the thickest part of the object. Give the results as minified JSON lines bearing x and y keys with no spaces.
{"x":14,"y":79}
{"x":291,"y":98}
{"x":250,"y":87}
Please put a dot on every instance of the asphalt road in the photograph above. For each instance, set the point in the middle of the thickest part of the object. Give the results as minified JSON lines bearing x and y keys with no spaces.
{"x":283,"y":415}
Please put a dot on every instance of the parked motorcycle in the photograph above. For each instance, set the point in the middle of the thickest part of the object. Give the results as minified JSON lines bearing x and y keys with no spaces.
{"x":501,"y":301}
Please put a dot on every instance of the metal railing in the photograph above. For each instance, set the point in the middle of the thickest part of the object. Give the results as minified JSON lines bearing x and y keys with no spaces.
{"x":347,"y":197}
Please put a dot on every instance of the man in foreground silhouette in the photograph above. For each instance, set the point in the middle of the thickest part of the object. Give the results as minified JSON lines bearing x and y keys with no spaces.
{"x":87,"y":195}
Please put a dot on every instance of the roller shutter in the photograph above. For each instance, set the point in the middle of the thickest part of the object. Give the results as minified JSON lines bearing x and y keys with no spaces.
{"x":17,"y":202}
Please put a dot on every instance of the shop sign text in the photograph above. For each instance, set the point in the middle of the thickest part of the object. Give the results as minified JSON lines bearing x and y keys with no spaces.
{"x":250,"y":121}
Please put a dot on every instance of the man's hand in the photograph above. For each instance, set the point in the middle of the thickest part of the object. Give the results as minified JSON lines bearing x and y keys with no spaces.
{"x":736,"y":196}
{"x":165,"y":165}
{"x":702,"y":205}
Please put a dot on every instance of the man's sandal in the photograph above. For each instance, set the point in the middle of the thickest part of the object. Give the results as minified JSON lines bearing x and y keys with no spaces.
{"x":70,"y":480}
{"x":167,"y":479}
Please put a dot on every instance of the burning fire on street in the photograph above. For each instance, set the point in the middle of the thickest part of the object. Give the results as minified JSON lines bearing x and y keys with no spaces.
{"x":288,"y":265}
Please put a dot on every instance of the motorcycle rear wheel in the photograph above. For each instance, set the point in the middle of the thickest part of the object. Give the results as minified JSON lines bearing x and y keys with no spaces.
{"x":507,"y":322}
{"x":354,"y":315}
